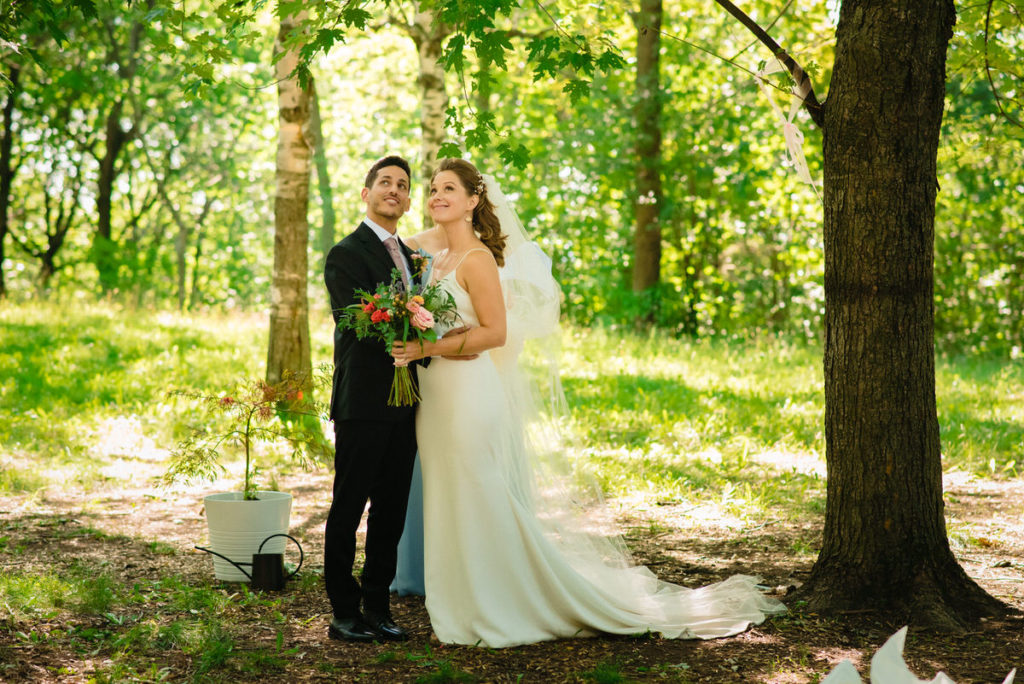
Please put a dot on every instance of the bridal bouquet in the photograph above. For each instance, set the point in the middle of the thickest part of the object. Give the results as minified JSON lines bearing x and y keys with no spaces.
{"x":391,"y":314}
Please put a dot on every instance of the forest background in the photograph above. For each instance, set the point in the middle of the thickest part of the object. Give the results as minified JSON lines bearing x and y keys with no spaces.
{"x":120,"y":179}
{"x":157,"y":156}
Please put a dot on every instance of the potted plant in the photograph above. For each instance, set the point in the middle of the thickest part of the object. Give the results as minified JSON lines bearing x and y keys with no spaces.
{"x":257,"y":411}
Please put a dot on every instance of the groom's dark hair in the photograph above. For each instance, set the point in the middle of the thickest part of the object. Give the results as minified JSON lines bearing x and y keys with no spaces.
{"x":391,"y":160}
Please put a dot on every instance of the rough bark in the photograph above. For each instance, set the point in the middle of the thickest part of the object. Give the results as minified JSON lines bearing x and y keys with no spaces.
{"x":648,"y":201}
{"x":885,"y":544}
{"x":7,"y":167}
{"x":429,"y":37}
{"x":288,"y":349}
{"x":323,"y":177}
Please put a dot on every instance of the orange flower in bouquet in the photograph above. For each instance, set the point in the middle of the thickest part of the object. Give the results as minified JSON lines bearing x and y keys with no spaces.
{"x":390,"y":314}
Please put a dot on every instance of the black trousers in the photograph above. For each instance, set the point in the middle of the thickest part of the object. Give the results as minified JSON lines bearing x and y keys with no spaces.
{"x":372,"y":462}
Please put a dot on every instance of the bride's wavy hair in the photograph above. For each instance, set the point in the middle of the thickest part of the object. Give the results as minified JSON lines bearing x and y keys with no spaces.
{"x":485,"y":220}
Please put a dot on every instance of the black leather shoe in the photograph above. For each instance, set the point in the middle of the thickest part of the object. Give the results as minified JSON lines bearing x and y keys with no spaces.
{"x":384,"y":626}
{"x":351,"y":629}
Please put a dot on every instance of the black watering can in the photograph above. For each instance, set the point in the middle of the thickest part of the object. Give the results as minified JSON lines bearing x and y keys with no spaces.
{"x":267,"y":568}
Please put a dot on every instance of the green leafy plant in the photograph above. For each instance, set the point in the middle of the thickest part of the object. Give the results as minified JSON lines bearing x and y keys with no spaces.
{"x":257,"y":411}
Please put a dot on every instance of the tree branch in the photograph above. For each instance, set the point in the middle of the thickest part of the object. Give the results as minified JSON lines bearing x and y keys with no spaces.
{"x":803,"y":82}
{"x":988,"y":72}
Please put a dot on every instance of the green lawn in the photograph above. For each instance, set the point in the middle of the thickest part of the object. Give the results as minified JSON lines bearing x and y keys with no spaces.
{"x":673,"y":418}
{"x":731,"y":427}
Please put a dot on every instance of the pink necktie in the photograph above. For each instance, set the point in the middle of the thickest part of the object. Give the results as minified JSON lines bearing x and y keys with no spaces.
{"x":391,"y":244}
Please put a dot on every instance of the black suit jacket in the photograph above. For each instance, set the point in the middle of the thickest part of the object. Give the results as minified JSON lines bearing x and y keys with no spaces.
{"x":363,"y":370}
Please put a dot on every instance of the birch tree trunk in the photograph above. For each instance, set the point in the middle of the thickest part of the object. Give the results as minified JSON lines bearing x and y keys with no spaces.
{"x":429,"y":37}
{"x":648,"y":201}
{"x":288,"y":349}
{"x":885,"y":544}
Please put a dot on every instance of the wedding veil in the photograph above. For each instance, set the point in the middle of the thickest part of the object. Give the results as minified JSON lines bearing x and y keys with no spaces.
{"x":567,"y":502}
{"x":566,"y":505}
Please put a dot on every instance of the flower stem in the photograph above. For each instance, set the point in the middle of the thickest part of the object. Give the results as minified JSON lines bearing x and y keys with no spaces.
{"x":403,"y":389}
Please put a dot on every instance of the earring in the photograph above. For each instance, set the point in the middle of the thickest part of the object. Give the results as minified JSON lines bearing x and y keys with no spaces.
{"x":469,"y":218}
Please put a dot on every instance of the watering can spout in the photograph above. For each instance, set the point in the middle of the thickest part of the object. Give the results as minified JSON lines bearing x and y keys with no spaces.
{"x":268,"y":572}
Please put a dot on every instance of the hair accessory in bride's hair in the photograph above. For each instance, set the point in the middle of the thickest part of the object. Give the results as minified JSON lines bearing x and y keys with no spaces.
{"x":480,"y":185}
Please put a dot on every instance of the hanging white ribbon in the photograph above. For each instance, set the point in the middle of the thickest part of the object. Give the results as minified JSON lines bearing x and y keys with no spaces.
{"x":794,"y":137}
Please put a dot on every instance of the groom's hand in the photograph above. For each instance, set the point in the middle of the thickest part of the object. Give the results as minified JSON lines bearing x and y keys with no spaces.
{"x":459,"y":331}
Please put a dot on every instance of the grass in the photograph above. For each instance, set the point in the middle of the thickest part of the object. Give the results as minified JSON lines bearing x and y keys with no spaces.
{"x":81,"y":388}
{"x":654,"y":419}
{"x":133,"y":624}
{"x":605,"y":672}
{"x":666,"y":418}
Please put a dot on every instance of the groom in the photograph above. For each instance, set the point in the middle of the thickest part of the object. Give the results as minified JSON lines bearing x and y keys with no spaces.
{"x":375,"y":444}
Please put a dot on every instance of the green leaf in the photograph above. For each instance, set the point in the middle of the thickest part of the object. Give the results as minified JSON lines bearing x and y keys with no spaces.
{"x":453,"y":58}
{"x":577,"y":58}
{"x":542,"y":56}
{"x":452,"y":120}
{"x":449,"y":149}
{"x":577,"y":89}
{"x":326,"y":38}
{"x":516,"y":155}
{"x":478,"y":137}
{"x":289,"y":8}
{"x":204,"y":71}
{"x":491,"y":49}
{"x":610,"y":60}
{"x":355,"y":16}
{"x":87,"y":7}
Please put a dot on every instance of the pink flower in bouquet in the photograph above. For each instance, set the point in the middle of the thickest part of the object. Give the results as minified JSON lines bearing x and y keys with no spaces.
{"x":421,"y":318}
{"x":407,"y":316}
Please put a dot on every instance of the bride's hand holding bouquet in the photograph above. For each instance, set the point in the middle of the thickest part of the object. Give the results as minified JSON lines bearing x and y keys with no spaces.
{"x":391,"y":314}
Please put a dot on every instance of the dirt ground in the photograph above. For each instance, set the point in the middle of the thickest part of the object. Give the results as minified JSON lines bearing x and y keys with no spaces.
{"x":111,"y":530}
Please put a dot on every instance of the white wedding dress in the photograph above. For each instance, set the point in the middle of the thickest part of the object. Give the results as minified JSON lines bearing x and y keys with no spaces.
{"x":498,"y":570}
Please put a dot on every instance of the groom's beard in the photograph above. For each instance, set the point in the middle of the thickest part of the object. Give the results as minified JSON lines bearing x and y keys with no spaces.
{"x":383,"y":208}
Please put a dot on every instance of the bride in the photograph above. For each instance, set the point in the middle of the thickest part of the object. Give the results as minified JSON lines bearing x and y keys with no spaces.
{"x":508,"y":558}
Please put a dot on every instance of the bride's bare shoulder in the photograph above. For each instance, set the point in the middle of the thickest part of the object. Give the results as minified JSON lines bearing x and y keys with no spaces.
{"x":431,"y":241}
{"x":480,"y":260}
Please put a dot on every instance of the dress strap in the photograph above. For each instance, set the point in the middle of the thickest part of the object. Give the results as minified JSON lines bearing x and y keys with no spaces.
{"x":467,"y":253}
{"x":442,"y":269}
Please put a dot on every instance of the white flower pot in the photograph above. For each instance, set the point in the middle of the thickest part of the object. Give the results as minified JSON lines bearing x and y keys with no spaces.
{"x":237,"y":527}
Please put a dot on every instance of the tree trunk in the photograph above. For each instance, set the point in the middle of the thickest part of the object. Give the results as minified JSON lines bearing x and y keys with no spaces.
{"x":7,"y":169}
{"x":647,"y":234}
{"x":103,"y":247}
{"x":323,"y":177}
{"x":885,"y":544}
{"x":56,"y":233}
{"x":429,"y":37}
{"x":180,"y":264}
{"x":197,"y":255}
{"x":288,"y":349}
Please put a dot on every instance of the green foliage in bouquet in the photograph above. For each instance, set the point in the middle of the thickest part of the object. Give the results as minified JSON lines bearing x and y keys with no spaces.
{"x":257,"y":411}
{"x":390,"y":314}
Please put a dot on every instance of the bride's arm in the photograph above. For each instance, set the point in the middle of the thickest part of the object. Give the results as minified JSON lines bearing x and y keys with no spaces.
{"x":479,"y":277}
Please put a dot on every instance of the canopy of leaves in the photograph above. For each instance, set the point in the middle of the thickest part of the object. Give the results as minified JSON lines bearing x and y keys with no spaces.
{"x":541,"y":96}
